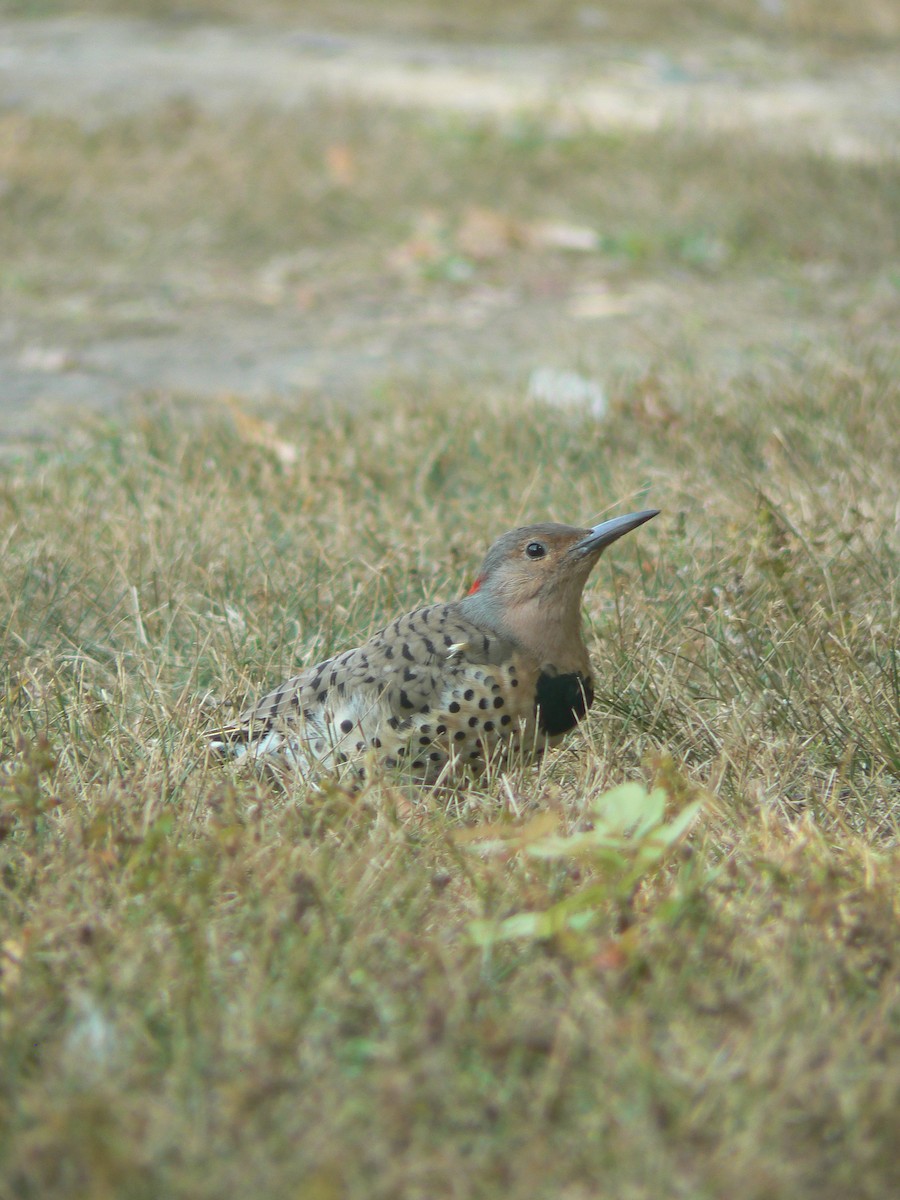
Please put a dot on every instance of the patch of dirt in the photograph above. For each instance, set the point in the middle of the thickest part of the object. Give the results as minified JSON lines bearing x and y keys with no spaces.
{"x":99,"y":66}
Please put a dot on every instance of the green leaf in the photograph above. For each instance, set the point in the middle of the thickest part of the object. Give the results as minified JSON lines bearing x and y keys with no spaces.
{"x":629,"y":838}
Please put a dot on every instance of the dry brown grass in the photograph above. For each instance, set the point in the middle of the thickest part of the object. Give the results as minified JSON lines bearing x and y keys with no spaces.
{"x":213,"y":984}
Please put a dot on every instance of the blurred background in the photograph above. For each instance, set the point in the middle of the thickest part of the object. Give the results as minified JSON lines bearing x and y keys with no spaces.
{"x":291,"y":203}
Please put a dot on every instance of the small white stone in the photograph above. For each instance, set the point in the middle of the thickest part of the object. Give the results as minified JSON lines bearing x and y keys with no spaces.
{"x":567,"y":390}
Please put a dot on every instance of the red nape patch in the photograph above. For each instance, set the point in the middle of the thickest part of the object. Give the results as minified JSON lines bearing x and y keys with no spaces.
{"x":474,"y":588}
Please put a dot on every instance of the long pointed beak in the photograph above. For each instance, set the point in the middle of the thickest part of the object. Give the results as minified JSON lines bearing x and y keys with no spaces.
{"x":604,"y":535}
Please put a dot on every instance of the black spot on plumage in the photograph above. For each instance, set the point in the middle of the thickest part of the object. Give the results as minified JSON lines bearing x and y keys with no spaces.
{"x":376,"y":742}
{"x":418,"y":765}
{"x":407,"y":653}
{"x":369,"y":679}
{"x":562,"y":700}
{"x":473,"y":722}
{"x":393,"y":722}
{"x":453,"y":706}
{"x":435,"y":756}
{"x":322,"y":696}
{"x":498,"y":702}
{"x":424,"y":741}
{"x":405,"y":701}
{"x":460,"y":735}
{"x":506,"y":719}
{"x":468,"y":694}
{"x":489,"y":727}
{"x":346,"y":726}
{"x":440,"y":729}
{"x":484,"y":702}
{"x":408,"y":674}
{"x":388,"y":652}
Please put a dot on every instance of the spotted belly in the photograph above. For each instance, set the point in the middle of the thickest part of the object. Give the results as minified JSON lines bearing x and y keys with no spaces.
{"x":478,"y":714}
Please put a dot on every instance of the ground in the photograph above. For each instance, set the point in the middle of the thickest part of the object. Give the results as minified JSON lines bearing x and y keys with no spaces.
{"x":297,"y":313}
{"x":94,"y":315}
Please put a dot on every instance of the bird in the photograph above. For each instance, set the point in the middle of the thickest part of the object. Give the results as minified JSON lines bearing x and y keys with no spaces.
{"x":501,"y":673}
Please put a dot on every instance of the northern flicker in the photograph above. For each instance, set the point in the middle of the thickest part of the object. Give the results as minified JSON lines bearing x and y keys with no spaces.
{"x":503,"y":671}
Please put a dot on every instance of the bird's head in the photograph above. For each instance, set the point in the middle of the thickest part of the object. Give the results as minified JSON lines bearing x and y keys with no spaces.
{"x":532,"y":577}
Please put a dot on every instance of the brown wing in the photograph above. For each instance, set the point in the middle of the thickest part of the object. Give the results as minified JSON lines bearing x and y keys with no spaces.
{"x":391,"y":679}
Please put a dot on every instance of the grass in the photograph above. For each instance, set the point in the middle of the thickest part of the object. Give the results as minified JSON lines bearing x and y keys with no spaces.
{"x":214,"y":983}
{"x":211,"y":984}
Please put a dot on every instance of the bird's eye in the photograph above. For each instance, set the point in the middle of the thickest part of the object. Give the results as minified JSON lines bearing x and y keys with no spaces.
{"x":535,"y":549}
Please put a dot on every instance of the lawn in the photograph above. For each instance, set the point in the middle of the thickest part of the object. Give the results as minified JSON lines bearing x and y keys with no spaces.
{"x":218,"y":982}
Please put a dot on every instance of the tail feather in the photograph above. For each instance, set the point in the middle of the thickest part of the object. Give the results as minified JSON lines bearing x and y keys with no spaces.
{"x":233,"y":740}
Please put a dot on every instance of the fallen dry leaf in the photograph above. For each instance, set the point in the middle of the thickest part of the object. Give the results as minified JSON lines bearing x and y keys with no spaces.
{"x":12,"y":953}
{"x":594,"y":301}
{"x":484,"y":234}
{"x":257,"y":432}
{"x":340,"y":165}
{"x":559,"y":235}
{"x":426,"y":244}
